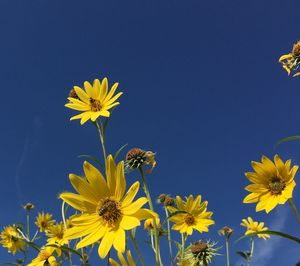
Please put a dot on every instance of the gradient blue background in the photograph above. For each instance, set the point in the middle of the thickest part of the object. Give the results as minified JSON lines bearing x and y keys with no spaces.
{"x":202,"y":87}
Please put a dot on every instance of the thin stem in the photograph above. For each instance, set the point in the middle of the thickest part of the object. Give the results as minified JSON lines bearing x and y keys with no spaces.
{"x":63,"y":215}
{"x":34,"y":236}
{"x":251,"y":252}
{"x":27,"y":223}
{"x":152,"y":243}
{"x":227,"y":251}
{"x":292,"y":204}
{"x":183,"y":238}
{"x":136,"y":248}
{"x":156,"y":234}
{"x":22,"y":234}
{"x":101,"y":131}
{"x":169,"y":234}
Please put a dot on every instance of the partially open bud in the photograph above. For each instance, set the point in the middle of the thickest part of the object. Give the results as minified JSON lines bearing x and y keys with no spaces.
{"x":136,"y":158}
{"x":226,"y":231}
{"x":28,"y":206}
{"x":169,"y":201}
{"x":161,"y":198}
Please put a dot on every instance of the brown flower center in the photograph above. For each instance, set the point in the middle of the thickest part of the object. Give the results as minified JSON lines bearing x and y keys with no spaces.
{"x":109,"y":210}
{"x":189,"y":219}
{"x":276,"y":185}
{"x":73,"y":94}
{"x":296,"y":49}
{"x":198,"y":247}
{"x":95,"y":105}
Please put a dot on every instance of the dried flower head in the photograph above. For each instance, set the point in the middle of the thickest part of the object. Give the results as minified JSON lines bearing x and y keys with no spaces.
{"x":226,"y":231}
{"x":28,"y":206}
{"x":161,"y":198}
{"x":169,"y":201}
{"x":136,"y":158}
{"x":291,"y":62}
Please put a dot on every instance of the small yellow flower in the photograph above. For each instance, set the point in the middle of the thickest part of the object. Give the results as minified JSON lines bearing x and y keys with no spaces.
{"x":192,"y":215}
{"x":44,"y":257}
{"x":149,"y":224}
{"x":44,"y":222}
{"x":56,"y":236}
{"x":122,"y":260}
{"x":94,"y":101}
{"x":291,"y":62}
{"x":107,"y":212}
{"x":273,"y":183}
{"x":11,"y":239}
{"x":254,"y":227}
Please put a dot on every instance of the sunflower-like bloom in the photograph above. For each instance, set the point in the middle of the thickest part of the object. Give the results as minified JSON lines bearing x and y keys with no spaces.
{"x":106,"y":211}
{"x":122,"y":260}
{"x":192,"y":215}
{"x":44,"y":221}
{"x":199,"y":253}
{"x":291,"y":62}
{"x":255,"y":227}
{"x":273,"y":183}
{"x":56,"y":236}
{"x":94,"y":101}
{"x":149,"y":224}
{"x":45,"y":257}
{"x":11,"y":239}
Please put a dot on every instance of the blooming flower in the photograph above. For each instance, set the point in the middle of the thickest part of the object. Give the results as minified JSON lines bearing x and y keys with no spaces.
{"x":56,"y":236}
{"x":11,"y":239}
{"x":192,"y":215}
{"x":94,"y":101}
{"x":43,"y":221}
{"x":291,"y":62}
{"x":254,"y":227}
{"x":273,"y":183}
{"x":122,"y":260}
{"x":44,"y":257}
{"x":106,"y":211}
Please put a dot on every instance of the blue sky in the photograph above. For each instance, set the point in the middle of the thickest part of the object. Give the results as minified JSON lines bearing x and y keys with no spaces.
{"x":202,"y":87}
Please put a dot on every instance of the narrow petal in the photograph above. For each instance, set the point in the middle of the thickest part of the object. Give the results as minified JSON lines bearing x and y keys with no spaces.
{"x":135,"y":206}
{"x":78,"y":202}
{"x":92,"y":238}
{"x":131,"y":193}
{"x":90,"y":90}
{"x":113,"y":99}
{"x":103,"y":89}
{"x":111,"y":174}
{"x":106,"y":243}
{"x":120,"y":241}
{"x":143,"y":214}
{"x":129,"y":222}
{"x":80,"y":231}
{"x":120,"y":181}
{"x":78,"y":107}
{"x":112,"y":91}
{"x":82,"y":95}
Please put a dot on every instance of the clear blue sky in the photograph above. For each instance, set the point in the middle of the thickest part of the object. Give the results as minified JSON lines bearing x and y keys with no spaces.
{"x":202,"y":87}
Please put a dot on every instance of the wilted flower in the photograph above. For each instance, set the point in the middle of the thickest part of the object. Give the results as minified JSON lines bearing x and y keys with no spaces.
{"x":161,"y":198}
{"x":43,"y":221}
{"x":273,"y":183}
{"x":199,"y":253}
{"x":11,"y":239}
{"x":226,"y":231}
{"x":255,"y":227}
{"x":191,"y":215}
{"x":94,"y":101}
{"x":291,"y":62}
{"x":169,"y":201}
{"x":137,"y":157}
{"x":106,"y":211}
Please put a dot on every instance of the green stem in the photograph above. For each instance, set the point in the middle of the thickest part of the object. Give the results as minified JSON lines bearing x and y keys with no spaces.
{"x":63,"y":215}
{"x":169,"y":234}
{"x":292,"y":204}
{"x":183,"y":238}
{"x":101,"y":131}
{"x":136,"y":248}
{"x":227,"y":251}
{"x":27,"y":221}
{"x":251,"y":252}
{"x":156,"y":233}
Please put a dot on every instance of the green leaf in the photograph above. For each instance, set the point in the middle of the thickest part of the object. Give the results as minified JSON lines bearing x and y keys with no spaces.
{"x":276,"y":233}
{"x":242,"y":254}
{"x":35,"y":246}
{"x":287,"y":139}
{"x":66,"y":249}
{"x":91,"y":158}
{"x":119,"y":150}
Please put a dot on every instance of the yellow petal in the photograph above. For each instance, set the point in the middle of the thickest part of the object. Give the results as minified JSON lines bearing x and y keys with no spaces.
{"x":113,"y":262}
{"x":122,"y":259}
{"x":129,"y":222}
{"x":120,"y":240}
{"x":106,"y":243}
{"x":85,"y":117}
{"x":78,"y":107}
{"x":80,"y":231}
{"x":103,"y":89}
{"x":90,"y":90}
{"x":120,"y":181}
{"x":97,"y":86}
{"x":78,"y":202}
{"x":130,"y":259}
{"x":82,"y":95}
{"x":284,"y":57}
{"x":112,"y":91}
{"x":135,"y":206}
{"x":131,"y":193}
{"x":111,"y":174}
{"x":296,"y":74}
{"x":143,"y":214}
{"x":92,"y":238}
{"x":113,"y":99}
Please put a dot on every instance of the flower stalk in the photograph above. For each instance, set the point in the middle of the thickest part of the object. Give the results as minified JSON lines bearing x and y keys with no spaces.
{"x":292,"y":204}
{"x":169,"y":234}
{"x":136,"y":248}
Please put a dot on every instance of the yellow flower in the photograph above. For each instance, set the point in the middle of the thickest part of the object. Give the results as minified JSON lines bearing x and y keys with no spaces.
{"x":44,"y":257}
{"x":254,"y":227}
{"x":122,"y":260}
{"x":43,"y":221}
{"x":11,"y":239}
{"x":291,"y":62}
{"x":56,"y":236}
{"x":93,"y":101}
{"x":195,"y":215}
{"x":106,"y":211}
{"x":149,"y":224}
{"x":273,"y":183}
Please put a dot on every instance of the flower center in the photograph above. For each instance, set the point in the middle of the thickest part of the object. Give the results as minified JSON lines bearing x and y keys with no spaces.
{"x":95,"y":105}
{"x":189,"y":219}
{"x":296,"y":49}
{"x":198,"y":247}
{"x":109,"y":211}
{"x":276,"y":186}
